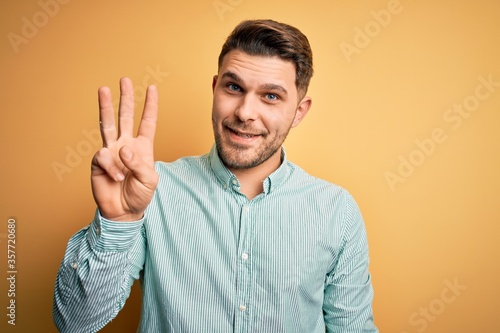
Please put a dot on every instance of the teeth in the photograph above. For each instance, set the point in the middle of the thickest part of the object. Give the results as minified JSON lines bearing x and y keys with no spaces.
{"x":243,"y":135}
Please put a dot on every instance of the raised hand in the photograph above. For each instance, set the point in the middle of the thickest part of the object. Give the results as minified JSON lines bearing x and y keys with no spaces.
{"x":123,"y":176}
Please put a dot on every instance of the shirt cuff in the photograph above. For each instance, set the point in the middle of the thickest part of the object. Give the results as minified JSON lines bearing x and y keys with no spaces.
{"x":111,"y":236}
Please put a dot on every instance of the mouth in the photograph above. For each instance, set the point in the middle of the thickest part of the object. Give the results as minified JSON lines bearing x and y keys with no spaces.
{"x":242,"y":136}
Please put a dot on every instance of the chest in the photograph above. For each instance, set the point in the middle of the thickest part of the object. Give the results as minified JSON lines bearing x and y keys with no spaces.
{"x":280,"y":243}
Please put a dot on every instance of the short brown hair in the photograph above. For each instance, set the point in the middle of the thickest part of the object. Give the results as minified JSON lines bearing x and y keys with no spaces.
{"x":271,"y":38}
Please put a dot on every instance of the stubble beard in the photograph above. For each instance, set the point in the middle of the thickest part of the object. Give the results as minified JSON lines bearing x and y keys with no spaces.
{"x":240,"y":157}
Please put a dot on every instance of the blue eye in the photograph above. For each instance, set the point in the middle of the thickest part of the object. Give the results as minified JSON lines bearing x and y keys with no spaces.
{"x":233,"y":87}
{"x":272,"y":97}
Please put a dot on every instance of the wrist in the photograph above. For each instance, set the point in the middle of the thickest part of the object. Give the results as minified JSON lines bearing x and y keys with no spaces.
{"x":129,"y":217}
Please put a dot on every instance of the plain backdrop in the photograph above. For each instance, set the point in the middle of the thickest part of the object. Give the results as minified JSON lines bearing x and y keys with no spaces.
{"x":405,"y":115}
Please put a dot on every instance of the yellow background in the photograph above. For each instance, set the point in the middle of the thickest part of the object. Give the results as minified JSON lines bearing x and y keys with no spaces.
{"x":438,"y":227}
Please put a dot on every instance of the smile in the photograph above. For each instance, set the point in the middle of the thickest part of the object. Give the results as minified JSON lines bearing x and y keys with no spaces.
{"x":244,"y":135}
{"x":240,"y":136}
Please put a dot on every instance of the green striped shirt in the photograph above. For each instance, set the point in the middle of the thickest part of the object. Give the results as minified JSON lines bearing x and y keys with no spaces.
{"x":292,"y":259}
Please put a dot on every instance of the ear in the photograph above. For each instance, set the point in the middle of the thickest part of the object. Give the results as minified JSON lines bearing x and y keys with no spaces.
{"x":302,"y":109}
{"x":214,"y":82}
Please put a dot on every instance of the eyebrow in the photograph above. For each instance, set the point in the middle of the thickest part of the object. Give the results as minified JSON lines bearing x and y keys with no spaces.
{"x":267,"y":86}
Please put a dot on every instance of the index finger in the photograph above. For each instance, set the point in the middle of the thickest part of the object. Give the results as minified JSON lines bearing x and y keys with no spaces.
{"x":147,"y":127}
{"x":106,"y":117}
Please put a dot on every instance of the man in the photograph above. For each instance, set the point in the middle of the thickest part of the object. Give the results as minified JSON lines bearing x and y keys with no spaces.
{"x":237,"y":240}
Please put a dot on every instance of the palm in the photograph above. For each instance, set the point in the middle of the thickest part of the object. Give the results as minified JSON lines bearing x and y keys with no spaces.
{"x":123,"y":176}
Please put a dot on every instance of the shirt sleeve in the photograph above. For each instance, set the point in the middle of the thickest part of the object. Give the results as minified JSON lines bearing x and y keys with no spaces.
{"x":101,"y":263}
{"x":347,"y":304}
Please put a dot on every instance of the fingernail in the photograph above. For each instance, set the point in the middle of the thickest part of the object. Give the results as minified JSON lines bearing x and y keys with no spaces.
{"x":120,"y":177}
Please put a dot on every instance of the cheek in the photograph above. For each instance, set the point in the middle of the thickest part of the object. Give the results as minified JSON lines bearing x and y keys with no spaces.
{"x":216,"y":110}
{"x":278,"y":121}
{"x":221,"y":107}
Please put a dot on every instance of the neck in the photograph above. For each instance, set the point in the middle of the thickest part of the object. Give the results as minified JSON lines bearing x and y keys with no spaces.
{"x":251,"y":179}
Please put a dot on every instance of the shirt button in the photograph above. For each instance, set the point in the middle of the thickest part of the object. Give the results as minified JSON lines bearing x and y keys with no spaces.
{"x":98,"y":231}
{"x":242,"y":308}
{"x":235,"y":182}
{"x":244,"y":256}
{"x":246,"y":209}
{"x":74,"y":265}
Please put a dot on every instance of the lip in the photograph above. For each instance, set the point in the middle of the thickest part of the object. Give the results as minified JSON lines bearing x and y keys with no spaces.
{"x":241,"y":136}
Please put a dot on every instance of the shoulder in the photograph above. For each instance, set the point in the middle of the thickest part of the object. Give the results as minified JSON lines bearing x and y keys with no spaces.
{"x":320,"y":190}
{"x":300,"y":178}
{"x":184,"y":172}
{"x":183,"y":164}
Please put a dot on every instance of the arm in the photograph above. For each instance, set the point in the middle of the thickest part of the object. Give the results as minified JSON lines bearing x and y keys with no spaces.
{"x":348,"y":295}
{"x":101,"y":263}
{"x":102,"y":260}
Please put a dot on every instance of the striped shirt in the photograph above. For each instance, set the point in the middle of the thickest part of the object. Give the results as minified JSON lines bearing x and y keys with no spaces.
{"x":292,"y":259}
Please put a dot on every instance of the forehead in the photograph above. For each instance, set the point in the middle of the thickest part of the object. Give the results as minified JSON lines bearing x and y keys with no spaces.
{"x":258,"y":69}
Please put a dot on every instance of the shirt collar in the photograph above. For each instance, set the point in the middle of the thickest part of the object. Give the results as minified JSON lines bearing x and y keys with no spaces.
{"x":228,"y":179}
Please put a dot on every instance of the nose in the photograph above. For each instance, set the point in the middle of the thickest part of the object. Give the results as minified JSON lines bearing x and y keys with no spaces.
{"x":246,"y":109}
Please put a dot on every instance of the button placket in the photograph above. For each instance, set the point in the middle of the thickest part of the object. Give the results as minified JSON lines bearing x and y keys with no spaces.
{"x":244,"y":267}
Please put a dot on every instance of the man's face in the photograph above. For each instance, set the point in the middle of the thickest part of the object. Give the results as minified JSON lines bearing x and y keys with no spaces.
{"x":255,"y":104}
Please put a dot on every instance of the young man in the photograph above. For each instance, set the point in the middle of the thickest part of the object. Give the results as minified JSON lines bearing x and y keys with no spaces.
{"x":237,"y":240}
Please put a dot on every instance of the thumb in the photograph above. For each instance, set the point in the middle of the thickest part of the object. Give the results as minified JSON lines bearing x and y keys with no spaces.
{"x":126,"y":155}
{"x":140,"y":169}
